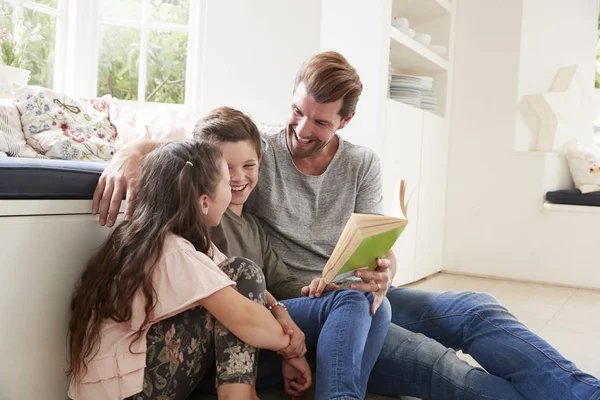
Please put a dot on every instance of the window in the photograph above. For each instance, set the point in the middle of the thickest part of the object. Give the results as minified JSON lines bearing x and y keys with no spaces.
{"x":40,"y":54}
{"x":136,"y":50}
{"x":144,"y":49}
{"x":598,"y":54}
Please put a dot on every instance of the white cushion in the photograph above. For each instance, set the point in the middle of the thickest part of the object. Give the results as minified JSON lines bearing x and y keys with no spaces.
{"x":585,"y":167}
{"x":12,"y":139}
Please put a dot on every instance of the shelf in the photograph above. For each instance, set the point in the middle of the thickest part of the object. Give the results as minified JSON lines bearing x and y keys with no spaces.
{"x":421,"y":9}
{"x":395,"y":106}
{"x":408,"y":55}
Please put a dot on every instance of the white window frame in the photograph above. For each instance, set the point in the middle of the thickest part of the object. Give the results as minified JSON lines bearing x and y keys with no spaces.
{"x":61,"y":24}
{"x":78,"y":47}
{"x":145,"y":26}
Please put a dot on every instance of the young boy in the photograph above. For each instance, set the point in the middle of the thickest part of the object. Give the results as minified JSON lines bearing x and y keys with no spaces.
{"x":324,"y":321}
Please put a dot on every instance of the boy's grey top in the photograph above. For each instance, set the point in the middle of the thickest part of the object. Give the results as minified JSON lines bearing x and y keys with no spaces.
{"x":305,"y":215}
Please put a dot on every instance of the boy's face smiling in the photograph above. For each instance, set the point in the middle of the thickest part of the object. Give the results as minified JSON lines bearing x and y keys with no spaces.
{"x":243,"y":162}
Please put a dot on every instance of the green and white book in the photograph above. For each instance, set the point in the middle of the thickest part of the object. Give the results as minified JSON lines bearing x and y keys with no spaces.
{"x":365,"y":238}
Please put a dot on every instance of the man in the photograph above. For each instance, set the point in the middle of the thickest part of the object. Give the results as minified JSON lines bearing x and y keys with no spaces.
{"x":310,"y":182}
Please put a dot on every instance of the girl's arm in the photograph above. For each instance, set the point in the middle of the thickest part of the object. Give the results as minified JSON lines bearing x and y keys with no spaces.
{"x":246,"y":319}
{"x":297,"y":346}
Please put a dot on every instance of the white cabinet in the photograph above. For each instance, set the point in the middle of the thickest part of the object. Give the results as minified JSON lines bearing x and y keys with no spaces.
{"x":432,"y":197}
{"x":416,"y":150}
{"x":401,"y":160}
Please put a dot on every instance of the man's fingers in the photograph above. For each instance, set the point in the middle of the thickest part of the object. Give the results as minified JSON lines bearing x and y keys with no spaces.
{"x":98,"y":194}
{"x":130,"y":201}
{"x":369,"y":276}
{"x":304,"y":291}
{"x":105,"y":202}
{"x":383,"y":263}
{"x":366,"y":287}
{"x":115,"y":204}
{"x":376,"y":303}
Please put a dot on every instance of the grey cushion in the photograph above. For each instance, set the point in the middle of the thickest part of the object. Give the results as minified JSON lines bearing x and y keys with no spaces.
{"x":32,"y":178}
{"x":573,"y":197}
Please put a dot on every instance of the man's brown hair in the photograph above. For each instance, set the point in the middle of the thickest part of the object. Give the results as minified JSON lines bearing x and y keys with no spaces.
{"x":226,"y":124}
{"x":328,"y":77}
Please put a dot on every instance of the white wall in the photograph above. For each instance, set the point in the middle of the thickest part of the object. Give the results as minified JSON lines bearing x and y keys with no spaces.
{"x":495,"y":224}
{"x":358,"y":36}
{"x":252,"y":52}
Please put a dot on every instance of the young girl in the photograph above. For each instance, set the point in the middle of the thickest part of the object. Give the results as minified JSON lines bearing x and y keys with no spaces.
{"x":153,"y":305}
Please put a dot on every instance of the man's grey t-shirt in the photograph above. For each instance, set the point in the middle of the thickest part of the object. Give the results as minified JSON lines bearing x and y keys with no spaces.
{"x":304,"y":215}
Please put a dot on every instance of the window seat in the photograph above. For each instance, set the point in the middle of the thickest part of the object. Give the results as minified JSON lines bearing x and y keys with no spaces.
{"x":573,"y":197}
{"x":43,"y":179}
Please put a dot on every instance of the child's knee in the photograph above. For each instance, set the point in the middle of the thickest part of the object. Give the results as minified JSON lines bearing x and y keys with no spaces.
{"x":249,"y":278}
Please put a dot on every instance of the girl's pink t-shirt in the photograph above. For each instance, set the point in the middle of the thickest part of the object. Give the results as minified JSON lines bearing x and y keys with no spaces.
{"x":182,"y":277}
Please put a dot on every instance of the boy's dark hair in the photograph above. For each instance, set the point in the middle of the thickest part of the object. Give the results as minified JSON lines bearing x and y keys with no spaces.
{"x":226,"y":124}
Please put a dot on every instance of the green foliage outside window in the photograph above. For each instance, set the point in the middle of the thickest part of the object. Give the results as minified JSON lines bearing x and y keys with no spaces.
{"x":119,"y":52}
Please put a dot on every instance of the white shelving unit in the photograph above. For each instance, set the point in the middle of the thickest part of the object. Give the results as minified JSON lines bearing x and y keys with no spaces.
{"x":422,"y":9}
{"x":412,"y":57}
{"x":411,"y":143}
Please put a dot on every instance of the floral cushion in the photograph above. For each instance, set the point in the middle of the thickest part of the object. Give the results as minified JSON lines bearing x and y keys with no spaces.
{"x":59,"y":126}
{"x":584,"y":164}
{"x":12,"y":140}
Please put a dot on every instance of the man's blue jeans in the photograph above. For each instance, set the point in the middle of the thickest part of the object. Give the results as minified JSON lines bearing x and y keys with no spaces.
{"x":346,"y":338}
{"x":520,"y":364}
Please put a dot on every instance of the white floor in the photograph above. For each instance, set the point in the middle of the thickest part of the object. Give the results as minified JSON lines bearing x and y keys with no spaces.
{"x":568,"y":318}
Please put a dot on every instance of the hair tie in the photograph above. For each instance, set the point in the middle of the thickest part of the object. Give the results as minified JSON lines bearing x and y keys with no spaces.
{"x":189,"y":163}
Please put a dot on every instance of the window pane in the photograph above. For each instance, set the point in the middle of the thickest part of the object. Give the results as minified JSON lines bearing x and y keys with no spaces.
{"x":38,"y":56}
{"x":121,"y":9}
{"x":118,"y":70}
{"x":167,"y":55}
{"x":51,"y":3}
{"x":170,"y":11}
{"x":598,"y":54}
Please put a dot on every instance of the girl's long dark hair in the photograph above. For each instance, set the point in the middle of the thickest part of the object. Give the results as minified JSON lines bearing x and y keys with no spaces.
{"x":173,"y":178}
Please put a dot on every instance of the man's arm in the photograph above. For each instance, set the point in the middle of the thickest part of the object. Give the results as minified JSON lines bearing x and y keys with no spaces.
{"x":120,"y":177}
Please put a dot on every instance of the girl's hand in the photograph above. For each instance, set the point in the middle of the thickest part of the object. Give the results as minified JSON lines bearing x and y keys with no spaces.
{"x":297,"y":346}
{"x":297,"y":377}
{"x":317,"y":287}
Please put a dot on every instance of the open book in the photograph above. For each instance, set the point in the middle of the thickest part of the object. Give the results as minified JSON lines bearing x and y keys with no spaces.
{"x":365,"y":238}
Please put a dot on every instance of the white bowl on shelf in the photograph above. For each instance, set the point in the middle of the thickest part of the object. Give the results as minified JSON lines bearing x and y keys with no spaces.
{"x":407,"y":31}
{"x":399,"y":22}
{"x":438,"y":49}
{"x":423,"y":38}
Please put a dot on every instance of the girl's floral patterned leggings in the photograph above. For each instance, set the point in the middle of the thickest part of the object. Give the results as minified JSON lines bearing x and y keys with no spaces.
{"x":181,"y":349}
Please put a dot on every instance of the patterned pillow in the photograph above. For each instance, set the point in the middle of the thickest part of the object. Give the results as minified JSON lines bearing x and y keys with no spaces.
{"x":585,"y":168}
{"x":12,"y":140}
{"x":59,"y":126}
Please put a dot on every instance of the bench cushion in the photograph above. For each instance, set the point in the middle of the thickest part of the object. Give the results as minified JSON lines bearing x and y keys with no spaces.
{"x":573,"y":197}
{"x":41,"y":179}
